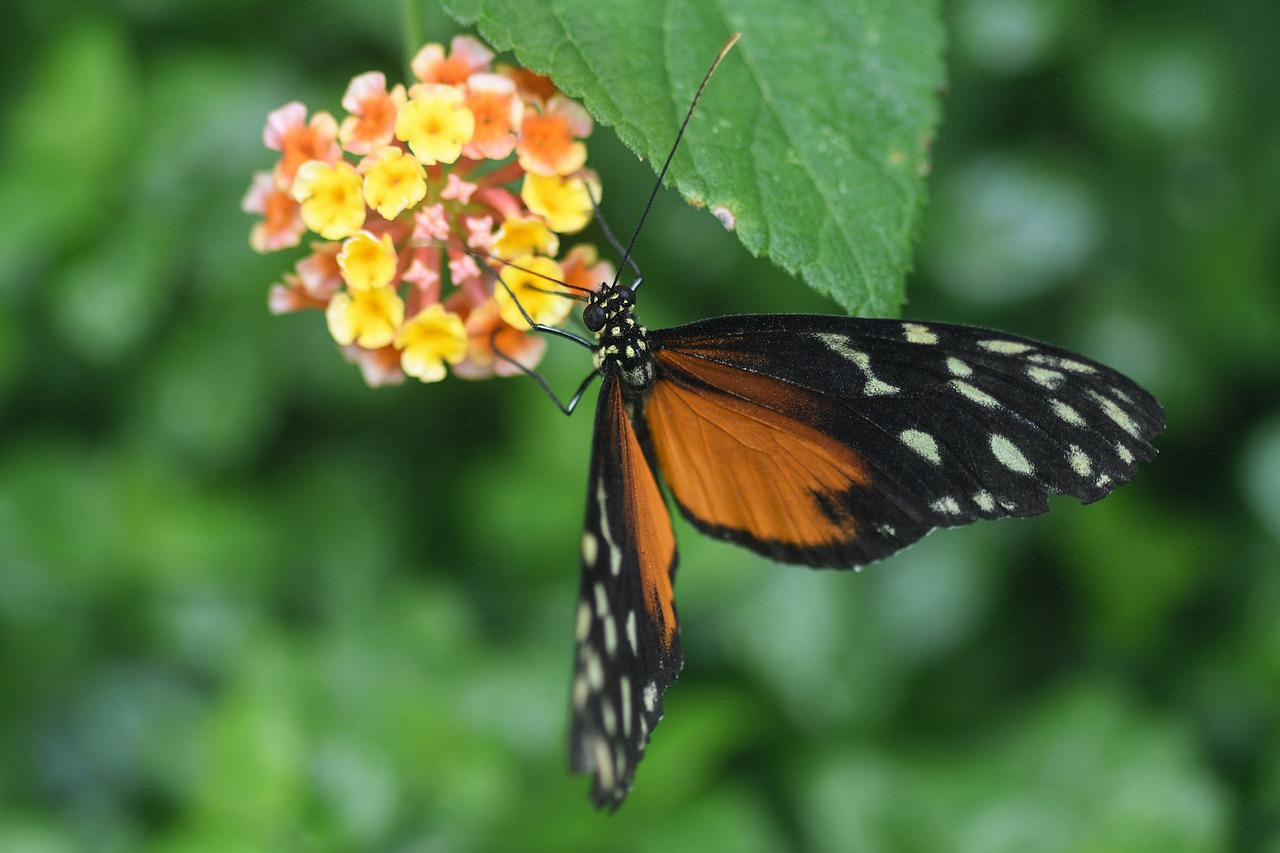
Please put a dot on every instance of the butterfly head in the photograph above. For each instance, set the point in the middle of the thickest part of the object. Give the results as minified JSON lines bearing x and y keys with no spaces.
{"x":623,"y":346}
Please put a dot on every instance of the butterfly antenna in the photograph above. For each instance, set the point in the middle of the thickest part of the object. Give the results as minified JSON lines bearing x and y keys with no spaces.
{"x":626,"y":256}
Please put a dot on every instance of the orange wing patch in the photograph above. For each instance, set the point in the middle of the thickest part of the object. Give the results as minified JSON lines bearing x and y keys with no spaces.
{"x":650,"y":523}
{"x":734,"y":458}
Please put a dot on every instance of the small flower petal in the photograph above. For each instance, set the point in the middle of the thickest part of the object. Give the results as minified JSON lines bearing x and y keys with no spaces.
{"x":547,"y":145}
{"x":331,"y":198}
{"x":536,"y":285}
{"x":298,"y":141}
{"x":368,"y":318}
{"x":372,"y":120}
{"x":497,"y":108}
{"x":281,"y":225}
{"x":520,"y":237}
{"x":431,"y":338}
{"x":393,"y":182}
{"x":435,"y":124}
{"x":367,"y":263}
{"x":467,"y":55}
{"x":566,"y":202}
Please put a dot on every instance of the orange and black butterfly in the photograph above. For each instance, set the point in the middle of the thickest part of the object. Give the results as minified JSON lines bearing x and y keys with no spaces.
{"x":820,"y":440}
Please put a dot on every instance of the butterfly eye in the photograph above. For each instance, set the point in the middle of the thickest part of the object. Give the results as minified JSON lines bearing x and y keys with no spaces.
{"x":593,"y":317}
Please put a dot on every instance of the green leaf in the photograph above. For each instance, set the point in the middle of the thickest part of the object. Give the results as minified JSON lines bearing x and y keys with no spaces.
{"x":813,"y":136}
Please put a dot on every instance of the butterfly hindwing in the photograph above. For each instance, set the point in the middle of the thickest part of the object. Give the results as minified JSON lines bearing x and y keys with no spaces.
{"x":628,"y":645}
{"x":835,"y":441}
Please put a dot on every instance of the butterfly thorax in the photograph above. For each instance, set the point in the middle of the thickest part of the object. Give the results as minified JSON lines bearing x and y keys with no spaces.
{"x":623,"y":347}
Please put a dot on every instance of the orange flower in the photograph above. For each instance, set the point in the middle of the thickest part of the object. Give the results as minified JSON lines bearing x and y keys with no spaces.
{"x":281,"y":225}
{"x":548,"y":139}
{"x":497,"y":108}
{"x":288,"y":132}
{"x":467,"y":56}
{"x":372,"y":120}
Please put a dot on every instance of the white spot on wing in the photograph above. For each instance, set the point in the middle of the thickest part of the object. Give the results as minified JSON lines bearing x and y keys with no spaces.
{"x":602,"y":602}
{"x":958,"y":367}
{"x":1008,"y":455}
{"x":609,"y":717}
{"x":624,"y":693}
{"x":590,"y":548}
{"x":1004,"y":347}
{"x":970,"y":392}
{"x":985,"y":502}
{"x":918,"y":334}
{"x":651,"y":696}
{"x":1045,"y":377}
{"x":949,"y":506}
{"x":1067,"y":413}
{"x":922,"y":443}
{"x":1126,"y":456}
{"x":1117,"y":414}
{"x":1079,"y":460}
{"x":605,"y":775}
{"x":632,"y":638}
{"x":583,"y":624}
{"x":595,"y":670}
{"x":839,"y":344}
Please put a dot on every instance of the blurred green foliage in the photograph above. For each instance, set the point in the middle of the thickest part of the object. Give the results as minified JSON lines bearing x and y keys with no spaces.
{"x":246,"y":603}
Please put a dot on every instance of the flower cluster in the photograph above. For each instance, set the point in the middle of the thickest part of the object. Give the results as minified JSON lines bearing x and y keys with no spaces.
{"x":418,"y":195}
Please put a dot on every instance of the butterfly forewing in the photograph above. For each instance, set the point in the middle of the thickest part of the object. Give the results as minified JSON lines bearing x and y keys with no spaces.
{"x":628,"y":645}
{"x":835,"y":441}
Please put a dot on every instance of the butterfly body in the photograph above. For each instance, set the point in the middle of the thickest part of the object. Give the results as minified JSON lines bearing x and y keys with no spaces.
{"x":819,"y":440}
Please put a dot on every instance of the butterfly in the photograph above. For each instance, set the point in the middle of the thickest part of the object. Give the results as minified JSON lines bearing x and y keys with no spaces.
{"x":821,"y":440}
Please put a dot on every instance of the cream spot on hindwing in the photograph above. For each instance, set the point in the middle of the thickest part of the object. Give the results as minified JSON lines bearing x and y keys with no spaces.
{"x":1008,"y":455}
{"x":632,"y":639}
{"x":624,"y":694}
{"x":590,"y":548}
{"x":651,"y":696}
{"x":958,"y":367}
{"x":922,"y":443}
{"x":985,"y":502}
{"x":970,"y":392}
{"x":1067,"y":413}
{"x":1117,"y":414}
{"x":1126,"y":456}
{"x":1080,"y":462}
{"x":948,"y":506}
{"x":583,"y":624}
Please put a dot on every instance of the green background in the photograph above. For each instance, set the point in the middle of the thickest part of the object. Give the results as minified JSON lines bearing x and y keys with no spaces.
{"x":247,"y":603}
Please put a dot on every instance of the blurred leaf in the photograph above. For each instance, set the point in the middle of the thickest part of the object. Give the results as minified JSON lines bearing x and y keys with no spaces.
{"x":814,"y":135}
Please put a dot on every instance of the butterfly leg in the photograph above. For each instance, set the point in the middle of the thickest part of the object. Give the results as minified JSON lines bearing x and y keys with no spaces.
{"x":568,"y":407}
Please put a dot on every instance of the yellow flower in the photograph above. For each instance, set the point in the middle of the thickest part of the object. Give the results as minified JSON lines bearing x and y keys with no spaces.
{"x":435,"y":123}
{"x":427,"y":341}
{"x":520,"y":237}
{"x":393,"y":181}
{"x":332,"y":204}
{"x":367,"y":262}
{"x":564,"y":201}
{"x":536,"y":285}
{"x":368,"y":318}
